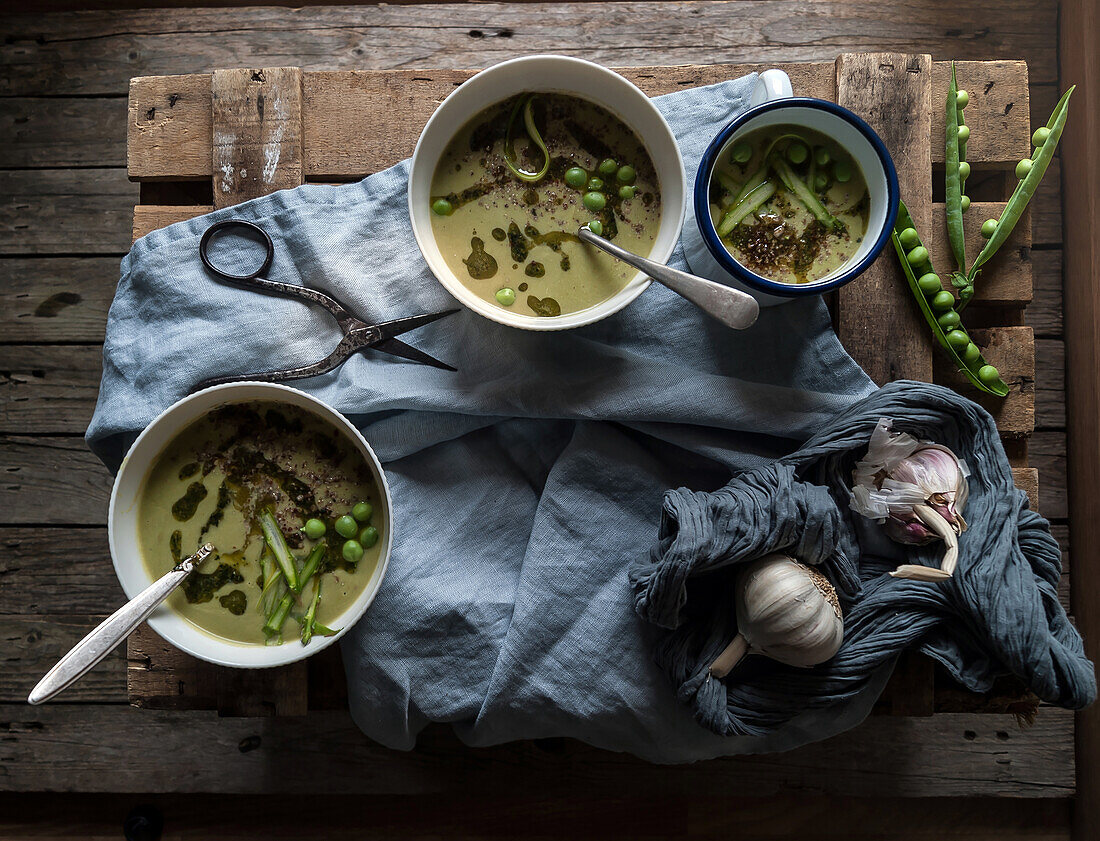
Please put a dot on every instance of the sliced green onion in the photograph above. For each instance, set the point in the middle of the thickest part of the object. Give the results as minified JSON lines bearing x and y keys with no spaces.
{"x":748,"y":205}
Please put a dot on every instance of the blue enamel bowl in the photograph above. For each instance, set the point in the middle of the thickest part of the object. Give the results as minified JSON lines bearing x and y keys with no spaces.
{"x":848,"y":131}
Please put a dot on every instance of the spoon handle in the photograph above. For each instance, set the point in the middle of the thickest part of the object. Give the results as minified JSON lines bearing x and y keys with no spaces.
{"x":732,"y":307}
{"x":113,"y":630}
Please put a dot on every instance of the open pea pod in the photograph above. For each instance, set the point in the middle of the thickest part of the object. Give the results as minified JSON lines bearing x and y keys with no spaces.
{"x":991,"y":383}
{"x":1014,"y":209}
{"x":953,"y":182}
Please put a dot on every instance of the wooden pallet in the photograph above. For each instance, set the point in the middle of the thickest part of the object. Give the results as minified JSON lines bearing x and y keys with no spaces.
{"x":201,"y":141}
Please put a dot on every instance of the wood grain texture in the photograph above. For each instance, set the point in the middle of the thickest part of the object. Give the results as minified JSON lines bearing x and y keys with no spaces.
{"x":875,"y":321}
{"x":943,"y":755}
{"x":98,"y":52}
{"x":358,"y":122}
{"x":257,"y":132}
{"x":1080,"y":64}
{"x":1006,"y":279}
{"x":58,"y":299}
{"x":62,"y":132}
{"x":30,"y":493}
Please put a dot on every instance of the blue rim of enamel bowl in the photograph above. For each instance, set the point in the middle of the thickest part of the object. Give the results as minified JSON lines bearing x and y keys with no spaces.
{"x":710,"y":235}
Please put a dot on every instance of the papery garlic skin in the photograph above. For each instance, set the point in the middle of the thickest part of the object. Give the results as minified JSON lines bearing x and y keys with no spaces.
{"x":787,"y":611}
{"x":917,"y":490}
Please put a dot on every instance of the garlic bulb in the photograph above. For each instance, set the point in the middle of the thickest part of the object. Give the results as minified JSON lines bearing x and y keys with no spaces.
{"x":786,"y":611}
{"x":917,"y":490}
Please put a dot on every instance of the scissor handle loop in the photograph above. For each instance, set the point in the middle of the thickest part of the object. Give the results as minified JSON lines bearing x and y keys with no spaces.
{"x":226,"y":224}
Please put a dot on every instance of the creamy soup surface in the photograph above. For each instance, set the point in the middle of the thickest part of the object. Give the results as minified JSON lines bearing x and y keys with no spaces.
{"x":216,"y":481}
{"x":789,"y":203}
{"x":513,"y":241}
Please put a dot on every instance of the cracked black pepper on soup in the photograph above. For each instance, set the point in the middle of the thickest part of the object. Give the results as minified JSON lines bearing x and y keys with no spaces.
{"x":789,"y":203}
{"x":516,"y":183}
{"x":272,"y":486}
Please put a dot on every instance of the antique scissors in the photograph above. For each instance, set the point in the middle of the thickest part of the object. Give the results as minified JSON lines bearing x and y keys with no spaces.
{"x":358,"y":335}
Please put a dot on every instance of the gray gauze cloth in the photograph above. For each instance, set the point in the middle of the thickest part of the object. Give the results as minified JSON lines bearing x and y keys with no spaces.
{"x":524,"y":485}
{"x":998,"y":615}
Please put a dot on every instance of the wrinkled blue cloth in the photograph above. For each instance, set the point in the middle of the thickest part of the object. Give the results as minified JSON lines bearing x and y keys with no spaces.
{"x":526,"y":484}
{"x":999,"y":614}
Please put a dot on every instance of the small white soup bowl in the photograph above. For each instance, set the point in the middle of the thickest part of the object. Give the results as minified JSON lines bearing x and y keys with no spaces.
{"x":774,"y":104}
{"x":554,"y":74}
{"x":122,"y":525}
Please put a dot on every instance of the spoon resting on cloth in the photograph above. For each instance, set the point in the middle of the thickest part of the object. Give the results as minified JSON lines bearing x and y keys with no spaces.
{"x":732,"y":307}
{"x":114,"y":629}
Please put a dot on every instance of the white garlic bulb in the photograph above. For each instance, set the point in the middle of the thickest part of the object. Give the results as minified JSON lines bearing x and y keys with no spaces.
{"x":787,"y":611}
{"x":917,"y":490}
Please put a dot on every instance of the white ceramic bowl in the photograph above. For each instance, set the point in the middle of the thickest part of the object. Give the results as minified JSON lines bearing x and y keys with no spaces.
{"x":559,"y":74}
{"x":122,"y":524}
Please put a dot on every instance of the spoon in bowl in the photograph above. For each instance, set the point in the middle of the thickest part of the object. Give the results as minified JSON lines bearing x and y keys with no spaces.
{"x":114,"y":629}
{"x":732,"y":307}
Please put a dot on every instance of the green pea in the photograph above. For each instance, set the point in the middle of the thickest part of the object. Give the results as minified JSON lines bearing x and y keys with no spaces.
{"x":506,"y":296}
{"x":989,"y":227}
{"x":1023,"y":168}
{"x":797,"y":152}
{"x":822,"y":156}
{"x":442,"y":207}
{"x":943,"y":300}
{"x":314,"y":529}
{"x":842,"y":171}
{"x":965,"y":203}
{"x":346,"y":526}
{"x":1040,"y":136}
{"x":949,"y":320}
{"x":608,"y":166}
{"x":741,"y":152}
{"x":962,"y":98}
{"x":930,"y":284}
{"x":576,"y":177}
{"x":596,"y":227}
{"x":988,"y":374}
{"x":971,"y":354}
{"x":594,"y":201}
{"x":352,"y":551}
{"x":918,"y":256}
{"x":964,"y":170}
{"x":362,"y":511}
{"x":595,"y":184}
{"x":821,"y":181}
{"x":958,"y":339}
{"x":910,"y":239}
{"x":627,"y":191}
{"x":626,"y":174}
{"x":964,"y":134}
{"x":368,"y":537}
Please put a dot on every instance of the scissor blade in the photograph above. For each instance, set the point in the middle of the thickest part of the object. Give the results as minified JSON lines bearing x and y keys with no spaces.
{"x":389,"y":329}
{"x":396,"y":347}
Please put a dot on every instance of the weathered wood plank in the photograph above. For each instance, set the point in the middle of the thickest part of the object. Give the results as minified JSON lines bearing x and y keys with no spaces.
{"x":149,"y":218}
{"x":97,"y":52}
{"x":59,"y":211}
{"x":51,"y":480}
{"x":48,"y":388}
{"x":34,"y":643}
{"x":62,"y":132}
{"x":1044,"y":315}
{"x":357,"y":122}
{"x":56,"y":299}
{"x":1007,"y":278}
{"x":257,"y":132}
{"x":56,"y":572}
{"x":1047,"y":452}
{"x":943,"y":755}
{"x":1050,"y":384}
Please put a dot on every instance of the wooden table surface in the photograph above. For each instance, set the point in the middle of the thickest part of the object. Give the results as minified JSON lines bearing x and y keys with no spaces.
{"x":65,"y":213}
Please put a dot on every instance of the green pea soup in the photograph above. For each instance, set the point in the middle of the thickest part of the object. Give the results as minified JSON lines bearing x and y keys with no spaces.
{"x":212,"y":482}
{"x":513,"y":240}
{"x":789,"y":203}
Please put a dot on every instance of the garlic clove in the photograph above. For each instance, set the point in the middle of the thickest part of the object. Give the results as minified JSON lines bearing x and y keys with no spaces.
{"x":731,"y":655}
{"x":935,"y":521}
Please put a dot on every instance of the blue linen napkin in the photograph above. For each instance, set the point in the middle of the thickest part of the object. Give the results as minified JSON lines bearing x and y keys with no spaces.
{"x":524,"y":485}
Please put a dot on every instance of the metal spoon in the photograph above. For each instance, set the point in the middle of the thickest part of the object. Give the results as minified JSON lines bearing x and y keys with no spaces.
{"x":732,"y":307}
{"x":114,"y":629}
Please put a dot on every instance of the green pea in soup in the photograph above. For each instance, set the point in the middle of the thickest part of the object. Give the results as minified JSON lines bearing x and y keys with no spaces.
{"x":516,"y":183}
{"x":289,"y":504}
{"x":789,"y":203}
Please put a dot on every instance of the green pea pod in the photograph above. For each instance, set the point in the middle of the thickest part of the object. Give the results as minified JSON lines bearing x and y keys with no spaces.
{"x":952,"y":179}
{"x":998,"y":388}
{"x":1026,"y":188}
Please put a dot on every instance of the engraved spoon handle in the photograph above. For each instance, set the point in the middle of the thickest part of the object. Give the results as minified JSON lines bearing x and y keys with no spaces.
{"x":113,"y":630}
{"x":732,"y":307}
